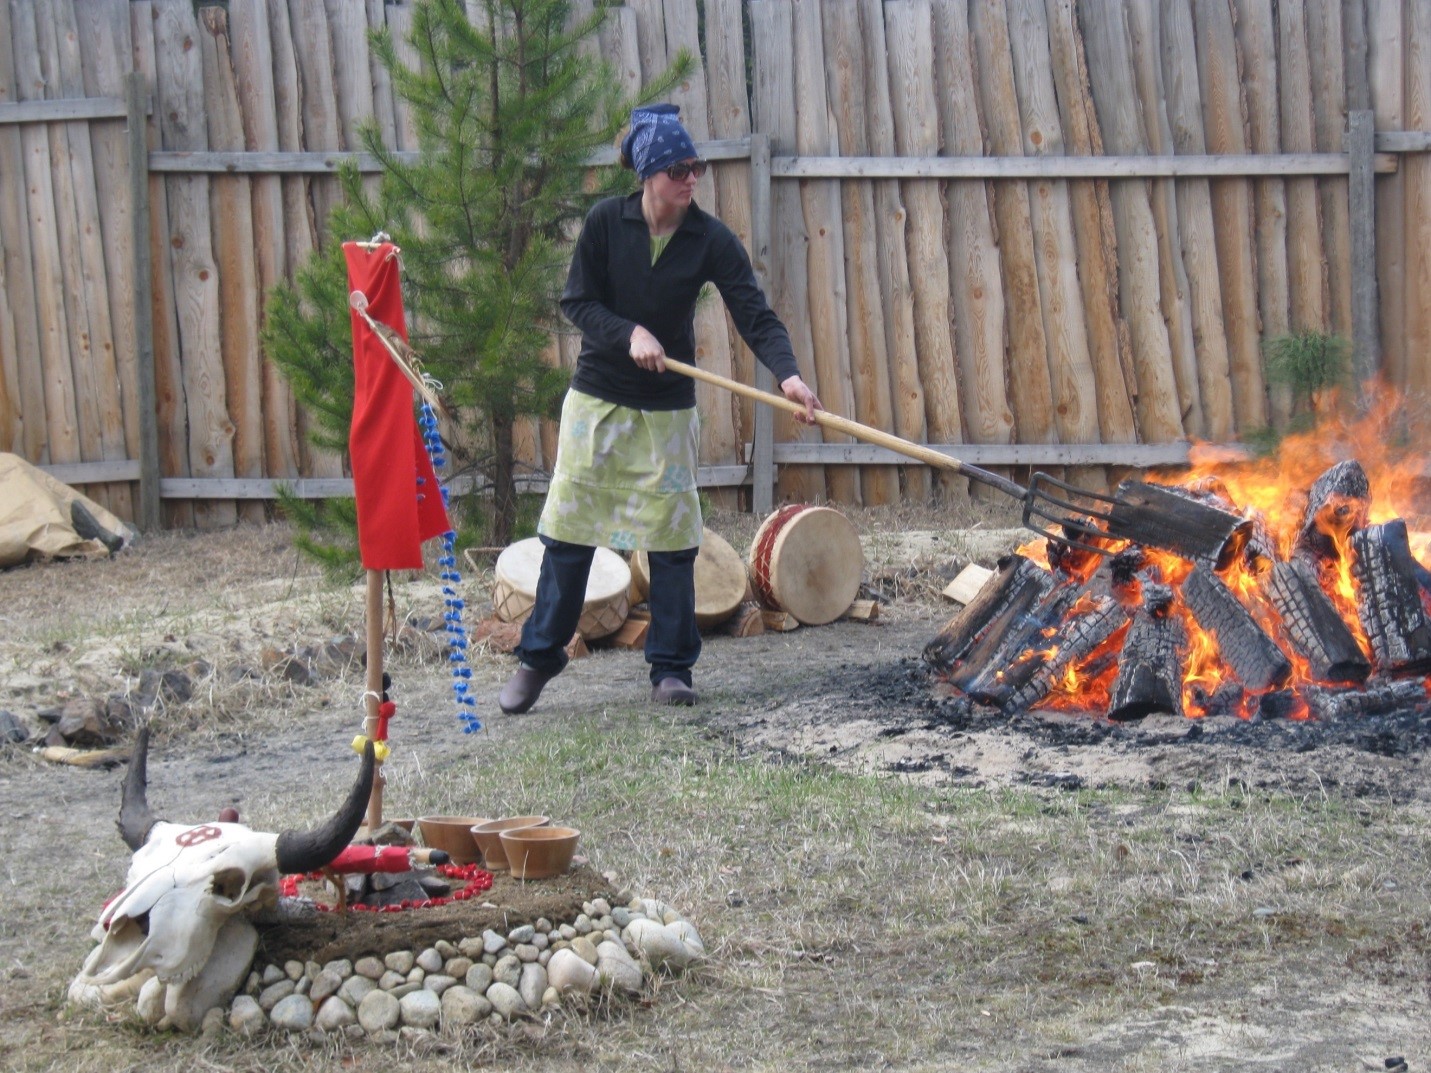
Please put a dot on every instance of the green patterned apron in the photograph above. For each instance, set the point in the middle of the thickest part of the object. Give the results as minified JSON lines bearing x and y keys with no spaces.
{"x":624,"y":478}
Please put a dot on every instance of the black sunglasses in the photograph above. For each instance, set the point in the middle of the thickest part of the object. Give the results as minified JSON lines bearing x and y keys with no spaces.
{"x":678,"y":172}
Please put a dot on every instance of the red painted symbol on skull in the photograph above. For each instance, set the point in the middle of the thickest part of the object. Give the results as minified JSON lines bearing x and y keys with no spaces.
{"x":194,"y":835}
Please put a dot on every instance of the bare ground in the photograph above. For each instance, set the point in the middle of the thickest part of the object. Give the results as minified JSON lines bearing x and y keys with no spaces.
{"x":788,"y":986}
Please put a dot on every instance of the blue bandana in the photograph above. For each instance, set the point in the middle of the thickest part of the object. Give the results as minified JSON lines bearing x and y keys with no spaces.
{"x":657,"y":140}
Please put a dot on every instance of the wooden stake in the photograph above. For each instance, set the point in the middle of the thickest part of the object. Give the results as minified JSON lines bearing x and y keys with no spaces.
{"x":373,"y":689}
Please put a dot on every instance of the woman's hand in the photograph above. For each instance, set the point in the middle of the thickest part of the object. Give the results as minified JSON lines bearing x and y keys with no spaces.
{"x":796,"y":390}
{"x":647,"y":351}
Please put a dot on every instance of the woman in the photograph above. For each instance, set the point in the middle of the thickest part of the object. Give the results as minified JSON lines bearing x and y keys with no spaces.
{"x":625,"y":474}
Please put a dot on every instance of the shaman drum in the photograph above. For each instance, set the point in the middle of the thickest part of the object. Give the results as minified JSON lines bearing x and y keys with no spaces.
{"x":807,"y":561}
{"x":720,"y":579}
{"x":607,"y":599}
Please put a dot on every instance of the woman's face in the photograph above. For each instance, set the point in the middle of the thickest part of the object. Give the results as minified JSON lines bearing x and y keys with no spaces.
{"x":678,"y":191}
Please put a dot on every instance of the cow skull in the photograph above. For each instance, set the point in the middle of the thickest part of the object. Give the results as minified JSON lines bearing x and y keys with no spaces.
{"x":176,"y":938}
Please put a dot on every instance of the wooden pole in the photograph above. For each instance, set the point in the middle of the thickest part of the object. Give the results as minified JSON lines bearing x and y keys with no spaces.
{"x":373,"y":688}
{"x":762,"y":490}
{"x":1361,"y":196}
{"x":137,"y":96}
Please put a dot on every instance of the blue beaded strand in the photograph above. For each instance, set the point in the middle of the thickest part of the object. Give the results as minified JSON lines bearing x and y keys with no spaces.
{"x":456,"y":632}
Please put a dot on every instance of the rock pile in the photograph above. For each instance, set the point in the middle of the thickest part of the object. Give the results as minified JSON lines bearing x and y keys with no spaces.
{"x":450,"y":986}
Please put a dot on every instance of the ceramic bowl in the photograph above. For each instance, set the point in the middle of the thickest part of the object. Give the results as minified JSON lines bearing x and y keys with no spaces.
{"x":488,"y":835}
{"x":539,"y":852}
{"x":452,"y":835}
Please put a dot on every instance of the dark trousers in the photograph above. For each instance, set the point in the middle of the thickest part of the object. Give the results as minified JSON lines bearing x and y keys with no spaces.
{"x":673,"y":643}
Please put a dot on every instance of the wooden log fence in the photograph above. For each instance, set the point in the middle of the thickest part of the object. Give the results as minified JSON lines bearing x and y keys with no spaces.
{"x":1030,"y":233}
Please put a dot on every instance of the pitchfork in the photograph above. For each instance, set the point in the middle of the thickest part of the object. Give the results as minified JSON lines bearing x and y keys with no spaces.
{"x":1142,"y":513}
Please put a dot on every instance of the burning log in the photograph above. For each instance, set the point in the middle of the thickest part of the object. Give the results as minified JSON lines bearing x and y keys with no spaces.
{"x":1079,"y":640}
{"x":1389,"y":598}
{"x":1313,"y":626}
{"x":1010,"y":644}
{"x":1337,"y":504}
{"x":1150,"y":671}
{"x":1165,"y":517}
{"x":1380,"y":699}
{"x":1019,"y":585}
{"x":1253,"y":656}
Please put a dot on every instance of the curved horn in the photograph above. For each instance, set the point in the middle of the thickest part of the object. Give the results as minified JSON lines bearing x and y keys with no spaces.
{"x":135,"y":819}
{"x":307,"y":851}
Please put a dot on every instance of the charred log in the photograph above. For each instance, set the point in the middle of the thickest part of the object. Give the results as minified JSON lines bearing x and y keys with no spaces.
{"x":1337,"y":505}
{"x":1389,"y":598}
{"x":1164,"y":517}
{"x":1380,"y":699}
{"x":1019,"y":585}
{"x":1150,"y":672}
{"x":1078,"y":640}
{"x":1009,"y":650}
{"x":1253,"y":656}
{"x":1313,"y":626}
{"x":1226,"y":699}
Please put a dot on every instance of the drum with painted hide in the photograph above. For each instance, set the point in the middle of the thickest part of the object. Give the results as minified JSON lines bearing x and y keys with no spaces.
{"x":720,"y":579}
{"x":807,"y":561}
{"x":607,"y":588}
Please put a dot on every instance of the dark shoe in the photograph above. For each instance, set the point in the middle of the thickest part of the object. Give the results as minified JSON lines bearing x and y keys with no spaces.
{"x":672,"y":691}
{"x":522,"y":690}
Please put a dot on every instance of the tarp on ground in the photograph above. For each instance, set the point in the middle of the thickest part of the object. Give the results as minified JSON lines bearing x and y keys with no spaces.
{"x":42,"y":518}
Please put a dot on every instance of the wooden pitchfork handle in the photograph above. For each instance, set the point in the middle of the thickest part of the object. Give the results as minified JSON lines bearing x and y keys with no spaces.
{"x":868,"y":434}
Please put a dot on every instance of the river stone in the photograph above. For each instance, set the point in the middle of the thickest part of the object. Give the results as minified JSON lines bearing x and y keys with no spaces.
{"x":355,"y":989}
{"x":463,"y":1006}
{"x":621,"y":916}
{"x":492,"y":943}
{"x":271,"y":975}
{"x":370,"y":967}
{"x":324,"y":985}
{"x":479,"y":977}
{"x":506,"y":1000}
{"x":273,"y":994}
{"x":417,"y":975}
{"x":342,"y":967}
{"x":438,"y":982}
{"x":246,"y":1017}
{"x":658,"y":944}
{"x":421,"y":1009}
{"x":522,"y":934}
{"x":526,"y":952}
{"x":582,"y":924}
{"x":150,"y":1004}
{"x":568,"y":971}
{"x":567,"y":932}
{"x":400,"y":961}
{"x":617,"y":967}
{"x":600,"y":907}
{"x":378,"y":1011}
{"x":543,"y":925}
{"x":686,"y":932}
{"x":470,"y":947}
{"x":551,"y":997}
{"x":293,"y":1014}
{"x":544,"y":957}
{"x":293,"y":970}
{"x":508,"y":971}
{"x":405,"y":989}
{"x":446,"y":949}
{"x":334,"y":1015}
{"x":391,"y":980}
{"x":534,"y":982}
{"x":585,"y":949}
{"x":212,"y":1024}
{"x":456,"y":967}
{"x":430,"y":960}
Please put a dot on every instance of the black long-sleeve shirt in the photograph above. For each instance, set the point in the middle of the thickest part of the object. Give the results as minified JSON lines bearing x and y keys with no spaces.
{"x":612,"y":287}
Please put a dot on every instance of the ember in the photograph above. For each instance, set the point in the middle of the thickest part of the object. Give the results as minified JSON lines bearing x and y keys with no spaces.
{"x":1320,"y":611}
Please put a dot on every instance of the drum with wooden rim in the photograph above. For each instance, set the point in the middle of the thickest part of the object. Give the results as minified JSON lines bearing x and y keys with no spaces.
{"x":607,"y":588}
{"x":807,"y":561}
{"x":720,"y":579}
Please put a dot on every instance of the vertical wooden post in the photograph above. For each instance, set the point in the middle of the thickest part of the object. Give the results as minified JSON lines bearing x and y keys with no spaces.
{"x":762,"y":489}
{"x":373,"y":688}
{"x":1361,"y":199}
{"x":137,"y":100}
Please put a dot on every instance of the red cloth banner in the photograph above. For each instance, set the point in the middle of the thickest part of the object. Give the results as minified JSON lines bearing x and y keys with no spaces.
{"x":399,"y":501}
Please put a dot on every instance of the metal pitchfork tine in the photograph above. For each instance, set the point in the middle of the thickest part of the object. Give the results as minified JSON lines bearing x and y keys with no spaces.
{"x":1143,"y":513}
